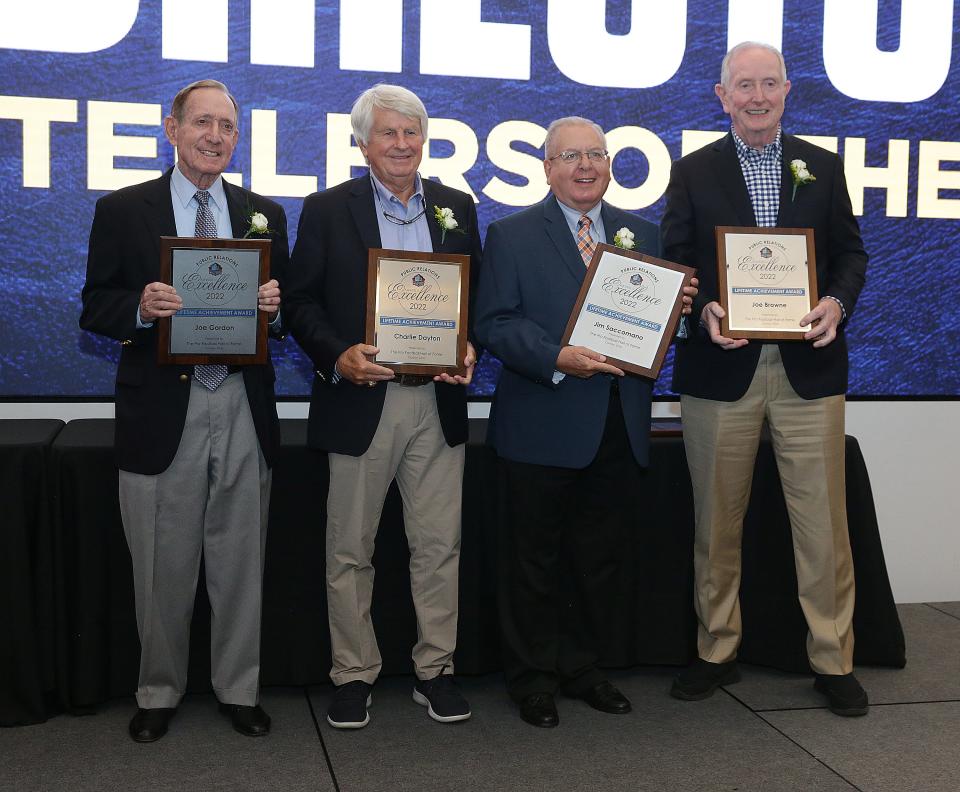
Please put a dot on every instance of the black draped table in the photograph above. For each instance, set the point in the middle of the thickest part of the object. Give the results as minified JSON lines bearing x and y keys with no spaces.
{"x":81,"y":647}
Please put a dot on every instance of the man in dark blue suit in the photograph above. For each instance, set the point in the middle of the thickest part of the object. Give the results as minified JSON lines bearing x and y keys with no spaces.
{"x":571,"y":430}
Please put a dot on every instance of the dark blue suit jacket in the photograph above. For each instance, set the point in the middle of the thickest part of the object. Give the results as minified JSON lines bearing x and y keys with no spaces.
{"x":531,"y":278}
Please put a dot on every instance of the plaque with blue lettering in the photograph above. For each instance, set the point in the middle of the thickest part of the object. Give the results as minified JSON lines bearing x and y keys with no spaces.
{"x":417,"y":310}
{"x":218,"y":282}
{"x":767,"y":280}
{"x":628,"y":309}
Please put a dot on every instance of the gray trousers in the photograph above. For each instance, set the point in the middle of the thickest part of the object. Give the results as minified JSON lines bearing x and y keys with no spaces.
{"x":409,"y":446}
{"x":212,"y":500}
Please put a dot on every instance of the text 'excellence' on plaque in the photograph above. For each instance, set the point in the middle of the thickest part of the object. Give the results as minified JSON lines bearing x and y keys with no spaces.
{"x":417,"y":310}
{"x":628,"y":308}
{"x":768,"y":281}
{"x":218,"y":281}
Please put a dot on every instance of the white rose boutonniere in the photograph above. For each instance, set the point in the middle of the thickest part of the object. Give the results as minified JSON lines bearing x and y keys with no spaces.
{"x":446,"y":221}
{"x":801,"y":176}
{"x":624,"y":239}
{"x":257,"y":224}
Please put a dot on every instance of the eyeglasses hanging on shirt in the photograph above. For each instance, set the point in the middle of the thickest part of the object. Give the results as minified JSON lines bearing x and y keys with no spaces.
{"x":392,"y":217}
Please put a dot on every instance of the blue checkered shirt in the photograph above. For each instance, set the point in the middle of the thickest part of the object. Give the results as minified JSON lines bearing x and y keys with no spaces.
{"x":762,"y":169}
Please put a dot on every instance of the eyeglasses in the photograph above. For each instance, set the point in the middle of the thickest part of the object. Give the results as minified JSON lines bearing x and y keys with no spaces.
{"x":571,"y":156}
{"x":401,"y":221}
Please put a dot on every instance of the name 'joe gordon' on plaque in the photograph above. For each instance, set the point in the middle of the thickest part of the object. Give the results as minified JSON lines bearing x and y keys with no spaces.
{"x":417,"y":310}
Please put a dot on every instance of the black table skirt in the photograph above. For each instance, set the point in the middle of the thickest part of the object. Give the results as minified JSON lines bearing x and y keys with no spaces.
{"x":91,"y":651}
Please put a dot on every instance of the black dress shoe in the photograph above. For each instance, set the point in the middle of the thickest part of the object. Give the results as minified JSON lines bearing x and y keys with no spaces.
{"x":249,"y":721}
{"x":149,"y":725}
{"x":843,"y":692}
{"x":538,"y":709}
{"x":698,"y":680}
{"x":606,"y":698}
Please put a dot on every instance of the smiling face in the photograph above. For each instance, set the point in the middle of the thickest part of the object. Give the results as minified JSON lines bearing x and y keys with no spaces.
{"x":579,"y":185}
{"x":205,"y":137}
{"x":755,"y":95}
{"x":394,"y":150}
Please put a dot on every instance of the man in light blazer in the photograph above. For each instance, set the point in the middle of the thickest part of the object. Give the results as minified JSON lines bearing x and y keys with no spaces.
{"x":729,"y":387}
{"x":571,"y":431}
{"x":376,"y":427}
{"x":194,"y":445}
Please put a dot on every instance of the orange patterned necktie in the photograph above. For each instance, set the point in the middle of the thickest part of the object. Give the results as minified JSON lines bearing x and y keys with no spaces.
{"x":584,"y":243}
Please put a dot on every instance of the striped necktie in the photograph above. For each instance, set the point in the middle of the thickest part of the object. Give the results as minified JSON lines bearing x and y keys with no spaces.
{"x":585,"y":244}
{"x":210,"y":376}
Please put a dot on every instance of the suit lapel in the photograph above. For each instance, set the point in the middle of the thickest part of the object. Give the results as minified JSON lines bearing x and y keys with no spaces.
{"x":159,"y":219}
{"x":239,"y":214}
{"x":730,"y":176}
{"x":559,"y":233}
{"x":431,"y":199}
{"x":363,"y":209}
{"x":786,"y":212}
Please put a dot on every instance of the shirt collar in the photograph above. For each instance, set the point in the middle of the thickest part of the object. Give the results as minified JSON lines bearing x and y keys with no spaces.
{"x":573,"y":215}
{"x":184,"y":190}
{"x":387,"y":197}
{"x":746,"y":152}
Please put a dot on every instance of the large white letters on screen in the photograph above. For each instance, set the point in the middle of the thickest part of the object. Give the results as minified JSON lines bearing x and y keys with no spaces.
{"x":915,"y":72}
{"x":263,"y":161}
{"x":66,"y":25}
{"x":454,"y":41}
{"x":931,"y":179}
{"x":195,"y":31}
{"x":754,"y":20}
{"x":658,"y":161}
{"x":371,"y":35}
{"x":526,"y":166}
{"x":450,"y":169}
{"x":103,"y":145}
{"x":36,"y":114}
{"x":894,"y":178}
{"x":281,"y":32}
{"x":648,"y":55}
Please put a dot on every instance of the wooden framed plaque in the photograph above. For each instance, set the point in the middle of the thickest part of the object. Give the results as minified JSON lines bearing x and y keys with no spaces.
{"x":217,"y":279}
{"x":768,"y":281}
{"x":628,"y":308}
{"x":417,"y":310}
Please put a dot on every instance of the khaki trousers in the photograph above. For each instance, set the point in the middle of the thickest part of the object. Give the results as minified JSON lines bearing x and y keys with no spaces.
{"x":212,"y":500}
{"x":408,"y":446}
{"x":721,"y":440}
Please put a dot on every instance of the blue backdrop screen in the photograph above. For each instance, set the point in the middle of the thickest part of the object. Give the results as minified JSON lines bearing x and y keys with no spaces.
{"x":83,"y":95}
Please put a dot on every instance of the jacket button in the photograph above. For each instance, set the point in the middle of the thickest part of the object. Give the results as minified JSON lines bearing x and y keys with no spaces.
{"x":184,"y":377}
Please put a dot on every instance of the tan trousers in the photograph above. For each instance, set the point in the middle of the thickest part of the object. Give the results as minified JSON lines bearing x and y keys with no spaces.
{"x":409,"y":446}
{"x":212,"y":500}
{"x":721,"y":440}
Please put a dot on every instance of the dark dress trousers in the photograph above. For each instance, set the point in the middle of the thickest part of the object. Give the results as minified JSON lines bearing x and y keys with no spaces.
{"x":568,"y":451}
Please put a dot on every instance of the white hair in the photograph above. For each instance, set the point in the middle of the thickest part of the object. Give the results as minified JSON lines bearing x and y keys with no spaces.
{"x":569,"y":121}
{"x":743,"y":45}
{"x":386,"y":97}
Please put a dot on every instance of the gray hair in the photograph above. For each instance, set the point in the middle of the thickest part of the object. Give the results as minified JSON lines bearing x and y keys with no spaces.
{"x":180,"y":100}
{"x":386,"y":97}
{"x":743,"y":45}
{"x":555,"y":126}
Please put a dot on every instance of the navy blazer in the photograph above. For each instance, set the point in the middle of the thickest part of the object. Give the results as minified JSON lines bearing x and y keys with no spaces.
{"x":124,"y":256}
{"x":706,"y":190}
{"x":325,"y":306}
{"x":532,"y":276}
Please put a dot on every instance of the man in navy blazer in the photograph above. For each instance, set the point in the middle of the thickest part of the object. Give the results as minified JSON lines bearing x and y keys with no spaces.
{"x":194,"y":451}
{"x":729,"y":387}
{"x":376,"y":427}
{"x":571,"y":430}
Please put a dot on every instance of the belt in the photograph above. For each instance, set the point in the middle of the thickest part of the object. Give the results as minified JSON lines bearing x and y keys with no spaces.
{"x":412,"y":380}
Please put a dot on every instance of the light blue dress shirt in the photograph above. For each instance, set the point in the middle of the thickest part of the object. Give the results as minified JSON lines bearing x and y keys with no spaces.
{"x":397,"y":236}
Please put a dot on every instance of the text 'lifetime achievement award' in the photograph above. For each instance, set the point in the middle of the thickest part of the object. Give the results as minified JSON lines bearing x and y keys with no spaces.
{"x":417,"y":310}
{"x":218,"y":281}
{"x":767,"y":279}
{"x":628,"y":308}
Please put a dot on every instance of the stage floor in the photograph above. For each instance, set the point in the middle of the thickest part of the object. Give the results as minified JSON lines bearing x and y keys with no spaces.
{"x":769,"y":732}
